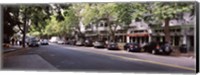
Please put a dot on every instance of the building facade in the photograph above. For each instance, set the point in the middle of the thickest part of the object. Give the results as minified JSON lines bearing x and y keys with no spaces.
{"x":181,"y":32}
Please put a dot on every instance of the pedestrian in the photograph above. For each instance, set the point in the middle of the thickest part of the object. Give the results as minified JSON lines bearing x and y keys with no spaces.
{"x":16,"y":42}
{"x":12,"y":41}
{"x":20,"y":42}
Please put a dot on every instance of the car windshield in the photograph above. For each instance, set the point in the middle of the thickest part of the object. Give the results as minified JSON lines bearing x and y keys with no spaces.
{"x":34,"y":41}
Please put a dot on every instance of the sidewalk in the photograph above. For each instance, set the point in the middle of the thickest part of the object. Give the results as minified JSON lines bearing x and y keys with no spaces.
{"x":190,"y":54}
{"x":26,"y":62}
{"x":16,"y":58}
{"x":11,"y":48}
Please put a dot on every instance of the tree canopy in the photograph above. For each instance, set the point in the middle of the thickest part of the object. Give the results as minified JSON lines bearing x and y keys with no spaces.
{"x":61,"y":19}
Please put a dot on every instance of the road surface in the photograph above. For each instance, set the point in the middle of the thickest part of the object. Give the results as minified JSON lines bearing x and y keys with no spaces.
{"x":73,"y":58}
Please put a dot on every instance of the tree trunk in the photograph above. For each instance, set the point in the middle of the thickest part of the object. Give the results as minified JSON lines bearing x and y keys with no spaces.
{"x":167,"y":31}
{"x":24,"y":31}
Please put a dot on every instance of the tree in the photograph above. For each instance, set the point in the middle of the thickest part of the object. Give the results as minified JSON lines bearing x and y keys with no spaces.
{"x":166,"y":11}
{"x":10,"y":20}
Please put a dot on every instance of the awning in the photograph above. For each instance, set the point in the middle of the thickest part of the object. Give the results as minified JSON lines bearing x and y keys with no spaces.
{"x":138,"y":35}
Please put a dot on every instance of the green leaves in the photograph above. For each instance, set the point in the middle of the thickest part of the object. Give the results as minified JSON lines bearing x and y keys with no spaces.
{"x":119,"y":13}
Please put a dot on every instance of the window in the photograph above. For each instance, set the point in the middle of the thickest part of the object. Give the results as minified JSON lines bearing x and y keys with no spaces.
{"x":178,"y":30}
{"x":106,"y":25}
{"x":101,"y":24}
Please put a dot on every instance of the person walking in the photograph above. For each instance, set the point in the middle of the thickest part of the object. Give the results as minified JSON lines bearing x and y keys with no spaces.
{"x":13,"y":41}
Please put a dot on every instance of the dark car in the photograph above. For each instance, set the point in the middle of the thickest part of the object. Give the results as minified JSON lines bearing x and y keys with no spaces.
{"x":113,"y":46}
{"x":33,"y":43}
{"x":158,"y":48}
{"x":72,"y":42}
{"x":183,"y":48}
{"x":99,"y":44}
{"x":132,"y":47}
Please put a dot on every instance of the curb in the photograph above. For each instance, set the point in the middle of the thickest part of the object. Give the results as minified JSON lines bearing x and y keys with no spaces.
{"x":15,"y":52}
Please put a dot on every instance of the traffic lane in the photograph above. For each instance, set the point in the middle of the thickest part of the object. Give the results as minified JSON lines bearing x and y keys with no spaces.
{"x":166,"y":61}
{"x":69,"y":59}
{"x":177,"y":61}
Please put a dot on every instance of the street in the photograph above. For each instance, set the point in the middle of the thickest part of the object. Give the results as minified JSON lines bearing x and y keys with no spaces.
{"x":74,"y":58}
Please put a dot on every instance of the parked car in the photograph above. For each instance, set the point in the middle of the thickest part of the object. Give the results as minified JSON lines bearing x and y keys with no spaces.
{"x":72,"y":42}
{"x":33,"y":42}
{"x":79,"y":43}
{"x":61,"y":42}
{"x":183,"y":48}
{"x":54,"y":39}
{"x":88,"y":43}
{"x":44,"y":42}
{"x":158,"y":48}
{"x":113,"y":46}
{"x":132,"y":47}
{"x":67,"y":42}
{"x":99,"y":44}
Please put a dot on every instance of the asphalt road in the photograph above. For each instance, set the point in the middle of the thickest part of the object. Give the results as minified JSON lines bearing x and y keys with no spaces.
{"x":72,"y":58}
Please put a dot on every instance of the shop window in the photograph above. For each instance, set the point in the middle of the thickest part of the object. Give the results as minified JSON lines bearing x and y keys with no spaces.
{"x":106,"y":25}
{"x":178,"y":30}
{"x":101,"y":24}
{"x":176,"y":39}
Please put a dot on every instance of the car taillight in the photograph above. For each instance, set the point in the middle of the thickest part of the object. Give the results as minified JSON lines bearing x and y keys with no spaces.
{"x":157,"y":47}
{"x":131,"y":46}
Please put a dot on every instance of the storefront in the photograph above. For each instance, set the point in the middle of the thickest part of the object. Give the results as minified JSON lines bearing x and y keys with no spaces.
{"x":138,"y":36}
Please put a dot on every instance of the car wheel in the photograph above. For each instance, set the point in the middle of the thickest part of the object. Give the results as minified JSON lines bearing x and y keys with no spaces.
{"x":168,"y":53}
{"x":128,"y":50}
{"x":142,"y":50}
{"x":153,"y":51}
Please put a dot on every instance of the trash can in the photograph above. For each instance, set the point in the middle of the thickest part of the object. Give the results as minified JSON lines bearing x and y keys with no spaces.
{"x":183,"y":48}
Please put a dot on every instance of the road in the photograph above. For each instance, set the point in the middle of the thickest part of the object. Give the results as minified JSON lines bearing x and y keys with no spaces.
{"x":73,"y":58}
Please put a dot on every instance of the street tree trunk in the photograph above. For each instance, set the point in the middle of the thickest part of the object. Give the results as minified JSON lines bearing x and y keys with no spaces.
{"x":167,"y":31}
{"x":24,"y":31}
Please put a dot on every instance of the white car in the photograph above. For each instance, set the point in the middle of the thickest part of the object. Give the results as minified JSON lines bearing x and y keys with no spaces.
{"x":44,"y":42}
{"x":61,"y":42}
{"x":54,"y":39}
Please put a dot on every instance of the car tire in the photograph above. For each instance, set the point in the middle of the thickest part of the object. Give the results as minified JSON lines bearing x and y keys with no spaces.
{"x":153,"y":51}
{"x":167,"y":53}
{"x":128,"y":50}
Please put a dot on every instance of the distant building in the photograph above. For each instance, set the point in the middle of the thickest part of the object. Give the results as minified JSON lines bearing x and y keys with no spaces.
{"x":181,"y":31}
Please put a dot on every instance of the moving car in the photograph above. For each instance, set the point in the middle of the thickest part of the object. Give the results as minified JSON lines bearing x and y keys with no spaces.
{"x":158,"y":48}
{"x":44,"y":42}
{"x":113,"y":46}
{"x":99,"y":44}
{"x":132,"y":47}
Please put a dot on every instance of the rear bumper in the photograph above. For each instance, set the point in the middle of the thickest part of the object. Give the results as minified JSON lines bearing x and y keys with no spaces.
{"x":114,"y":48}
{"x":135,"y":49}
{"x":159,"y":51}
